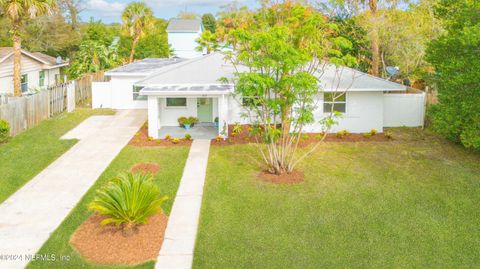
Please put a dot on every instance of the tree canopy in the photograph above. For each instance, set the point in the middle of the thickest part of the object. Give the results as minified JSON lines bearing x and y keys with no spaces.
{"x":454,"y":55}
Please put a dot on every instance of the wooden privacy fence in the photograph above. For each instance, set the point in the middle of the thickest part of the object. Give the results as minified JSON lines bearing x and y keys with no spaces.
{"x":83,"y":86}
{"x":25,"y":112}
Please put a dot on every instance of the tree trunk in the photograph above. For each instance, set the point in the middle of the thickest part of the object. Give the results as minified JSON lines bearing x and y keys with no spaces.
{"x":375,"y":46}
{"x":17,"y":56}
{"x":134,"y":45}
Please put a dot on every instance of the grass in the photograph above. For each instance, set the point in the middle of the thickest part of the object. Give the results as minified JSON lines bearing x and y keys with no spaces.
{"x":28,"y":153}
{"x":171,"y":161}
{"x":410,"y":203}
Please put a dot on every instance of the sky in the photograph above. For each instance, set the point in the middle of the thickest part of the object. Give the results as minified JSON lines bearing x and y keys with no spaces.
{"x":110,"y":11}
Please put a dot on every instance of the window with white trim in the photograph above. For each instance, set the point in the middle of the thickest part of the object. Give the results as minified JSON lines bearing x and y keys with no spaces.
{"x":176,"y":102}
{"x":24,"y":83}
{"x":136,"y":93}
{"x":41,"y":78}
{"x":337,"y":101}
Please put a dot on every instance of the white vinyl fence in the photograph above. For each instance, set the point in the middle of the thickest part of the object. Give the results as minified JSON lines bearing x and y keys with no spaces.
{"x":404,"y":109}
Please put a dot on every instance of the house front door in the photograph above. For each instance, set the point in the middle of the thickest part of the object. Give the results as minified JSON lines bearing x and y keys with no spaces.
{"x":204,"y":109}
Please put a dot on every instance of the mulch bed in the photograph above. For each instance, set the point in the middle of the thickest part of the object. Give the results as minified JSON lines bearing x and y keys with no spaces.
{"x":145,"y":168}
{"x":141,"y":139}
{"x":292,"y":178}
{"x":244,"y":137}
{"x":107,"y":244}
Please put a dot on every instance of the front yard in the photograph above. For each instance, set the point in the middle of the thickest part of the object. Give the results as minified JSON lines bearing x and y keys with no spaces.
{"x":409,"y":203}
{"x":170,"y":161}
{"x":27,"y":154}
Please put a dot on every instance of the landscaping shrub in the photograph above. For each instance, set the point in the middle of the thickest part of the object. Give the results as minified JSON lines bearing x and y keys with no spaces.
{"x":342,"y":134}
{"x":176,"y":140}
{"x":128,"y":200}
{"x":4,"y":130}
{"x":188,"y":137}
{"x":237,"y":129}
{"x":182,"y":121}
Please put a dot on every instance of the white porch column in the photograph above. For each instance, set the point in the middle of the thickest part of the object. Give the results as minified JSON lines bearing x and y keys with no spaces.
{"x":153,"y":116}
{"x":222,"y":113}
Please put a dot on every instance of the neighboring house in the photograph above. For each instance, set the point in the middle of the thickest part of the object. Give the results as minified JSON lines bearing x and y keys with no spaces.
{"x":38,"y":70}
{"x":182,"y":35}
{"x":192,"y":88}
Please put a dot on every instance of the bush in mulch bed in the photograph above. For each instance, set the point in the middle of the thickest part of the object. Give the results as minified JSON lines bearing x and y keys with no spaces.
{"x":107,"y":244}
{"x":128,"y":223}
{"x":141,"y":139}
{"x":241,"y":134}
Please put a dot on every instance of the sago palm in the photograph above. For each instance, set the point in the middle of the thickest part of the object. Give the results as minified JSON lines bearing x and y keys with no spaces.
{"x":137,"y":20}
{"x":128,"y":200}
{"x":17,"y":11}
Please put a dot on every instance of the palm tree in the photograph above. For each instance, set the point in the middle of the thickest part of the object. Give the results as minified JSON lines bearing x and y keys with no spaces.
{"x":137,"y":20}
{"x":16,"y":11}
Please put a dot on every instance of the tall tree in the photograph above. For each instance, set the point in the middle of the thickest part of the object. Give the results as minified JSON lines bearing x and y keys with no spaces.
{"x":73,"y":7}
{"x":17,"y":11}
{"x":370,"y":8}
{"x":454,"y":55}
{"x":208,"y":21}
{"x":137,"y":20}
{"x":280,"y":56}
{"x":187,"y":15}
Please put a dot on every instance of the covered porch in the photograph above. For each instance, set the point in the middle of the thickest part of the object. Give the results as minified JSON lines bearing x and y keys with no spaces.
{"x":197,"y":132}
{"x":167,"y":103}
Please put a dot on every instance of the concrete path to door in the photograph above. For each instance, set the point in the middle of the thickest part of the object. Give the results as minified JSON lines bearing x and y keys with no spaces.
{"x":30,"y":215}
{"x":181,"y":232}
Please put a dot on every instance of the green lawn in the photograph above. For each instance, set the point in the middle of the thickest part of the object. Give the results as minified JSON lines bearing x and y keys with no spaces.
{"x":411,"y":203}
{"x":28,"y":153}
{"x":171,"y":161}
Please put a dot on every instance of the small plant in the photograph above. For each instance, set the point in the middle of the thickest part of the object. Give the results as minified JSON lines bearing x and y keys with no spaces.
{"x":367,"y":135}
{"x":188,"y":137}
{"x":388,"y":135}
{"x":181,"y":121}
{"x":158,"y":141}
{"x":192,"y":120}
{"x":137,"y":134}
{"x":319,"y":136}
{"x":168,"y":137}
{"x":342,"y":134}
{"x":4,"y":130}
{"x":218,"y":138}
{"x":150,"y":138}
{"x":305,"y":137}
{"x":237,"y":129}
{"x":176,"y":140}
{"x":137,"y":140}
{"x":216,"y":121}
{"x":128,"y":200}
{"x":373,"y":132}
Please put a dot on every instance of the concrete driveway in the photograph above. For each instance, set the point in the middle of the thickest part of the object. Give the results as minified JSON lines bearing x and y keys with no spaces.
{"x":31,"y":214}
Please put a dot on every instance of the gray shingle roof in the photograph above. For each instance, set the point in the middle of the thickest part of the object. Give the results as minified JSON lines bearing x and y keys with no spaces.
{"x":184,"y":26}
{"x":145,"y":66}
{"x":42,"y":57}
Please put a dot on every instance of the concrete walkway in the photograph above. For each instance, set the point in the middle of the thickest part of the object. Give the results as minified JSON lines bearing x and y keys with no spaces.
{"x":31,"y":214}
{"x":179,"y":243}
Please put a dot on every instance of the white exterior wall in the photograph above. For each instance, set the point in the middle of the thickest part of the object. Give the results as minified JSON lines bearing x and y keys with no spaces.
{"x":404,"y":110}
{"x":169,"y":115}
{"x":122,"y":93}
{"x":184,"y":44}
{"x":364,"y":112}
{"x":153,"y":116}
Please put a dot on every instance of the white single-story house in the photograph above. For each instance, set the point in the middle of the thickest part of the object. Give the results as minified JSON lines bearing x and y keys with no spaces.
{"x":39,"y":70}
{"x":184,"y":88}
{"x":182,"y":35}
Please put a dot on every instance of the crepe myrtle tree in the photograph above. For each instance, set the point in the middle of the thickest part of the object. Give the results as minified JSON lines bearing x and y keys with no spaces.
{"x":279,"y":61}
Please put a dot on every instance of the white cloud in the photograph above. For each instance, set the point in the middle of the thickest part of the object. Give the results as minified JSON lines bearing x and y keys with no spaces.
{"x":108,"y":9}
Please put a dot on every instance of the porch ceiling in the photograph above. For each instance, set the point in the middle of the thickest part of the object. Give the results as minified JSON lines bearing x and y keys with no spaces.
{"x":164,"y":90}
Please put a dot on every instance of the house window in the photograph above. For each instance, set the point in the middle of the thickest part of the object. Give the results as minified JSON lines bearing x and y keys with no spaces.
{"x":41,"y":78}
{"x":136,"y":93}
{"x":176,"y":102}
{"x":24,"y":82}
{"x":250,"y":101}
{"x":337,"y":101}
